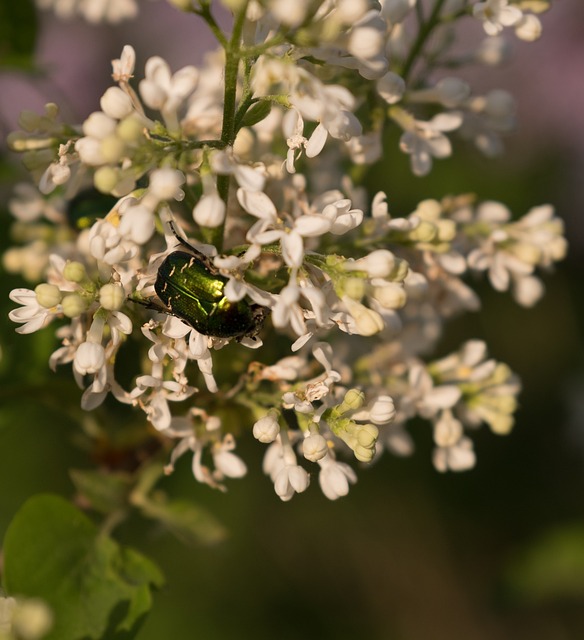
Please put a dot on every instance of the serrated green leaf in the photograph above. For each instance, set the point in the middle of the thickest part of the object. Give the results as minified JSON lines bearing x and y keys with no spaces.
{"x":96,"y":588}
{"x":104,"y":491}
{"x":257,"y":113}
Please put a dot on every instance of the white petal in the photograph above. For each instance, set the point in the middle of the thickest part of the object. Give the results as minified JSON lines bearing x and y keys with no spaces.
{"x":292,"y":249}
{"x":249,"y":178}
{"x":257,"y":203}
{"x":316,"y":142}
{"x":312,"y":225}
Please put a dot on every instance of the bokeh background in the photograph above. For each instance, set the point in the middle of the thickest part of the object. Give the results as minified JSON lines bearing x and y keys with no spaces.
{"x":496,"y":553}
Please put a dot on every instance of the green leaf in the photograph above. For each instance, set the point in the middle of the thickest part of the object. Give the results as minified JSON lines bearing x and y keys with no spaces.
{"x":18,"y":33}
{"x":104,"y":491}
{"x":257,"y":113}
{"x":96,"y":588}
{"x":550,"y":568}
{"x":188,"y":521}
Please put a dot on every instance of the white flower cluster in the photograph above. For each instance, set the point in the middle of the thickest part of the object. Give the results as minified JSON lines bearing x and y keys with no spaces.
{"x":309,"y":310}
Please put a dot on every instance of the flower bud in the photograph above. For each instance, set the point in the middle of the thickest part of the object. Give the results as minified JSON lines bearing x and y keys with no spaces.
{"x":209,"y":211}
{"x":29,"y":120}
{"x":74,"y":271}
{"x":89,"y":358}
{"x":112,"y":296}
{"x":354,"y":288}
{"x":368,"y":322}
{"x":73,"y":305}
{"x":165,"y":184}
{"x":105,"y":179}
{"x":528,"y":28}
{"x":390,"y":296}
{"x":314,"y":447}
{"x":266,"y":429}
{"x":378,"y":264}
{"x":391,"y":87}
{"x":424,"y":232}
{"x":48,"y":295}
{"x":112,"y":148}
{"x":354,"y":399}
{"x":116,"y":103}
{"x":130,"y":129}
{"x":382,"y":411}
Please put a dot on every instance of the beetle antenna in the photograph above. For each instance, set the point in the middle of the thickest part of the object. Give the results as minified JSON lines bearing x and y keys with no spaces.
{"x":185,"y":243}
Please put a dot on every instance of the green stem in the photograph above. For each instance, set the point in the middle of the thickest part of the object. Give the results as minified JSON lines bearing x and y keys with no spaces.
{"x":426,"y":29}
{"x":112,"y":520}
{"x":232,"y":57}
{"x":205,"y":13}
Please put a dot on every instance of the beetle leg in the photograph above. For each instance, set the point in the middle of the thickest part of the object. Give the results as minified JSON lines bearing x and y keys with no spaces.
{"x":151,"y":304}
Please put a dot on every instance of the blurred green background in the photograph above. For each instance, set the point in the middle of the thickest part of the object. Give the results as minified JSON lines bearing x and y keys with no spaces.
{"x":410,"y":554}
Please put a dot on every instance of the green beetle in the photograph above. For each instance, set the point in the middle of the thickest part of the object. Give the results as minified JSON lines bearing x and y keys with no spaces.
{"x":191,"y":288}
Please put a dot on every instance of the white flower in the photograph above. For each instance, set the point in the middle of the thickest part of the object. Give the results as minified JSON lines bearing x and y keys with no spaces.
{"x":226,"y":462}
{"x":154,"y":393}
{"x":89,"y":358}
{"x":293,"y":128}
{"x":458,"y":457}
{"x":289,"y":480}
{"x":270,"y":228}
{"x":496,"y":15}
{"x":94,"y":11}
{"x":248,"y":178}
{"x":123,"y":67}
{"x":493,"y":51}
{"x":528,"y":28}
{"x":335,"y":477}
{"x":165,"y":91}
{"x":424,"y":140}
{"x":32,"y":315}
{"x":391,"y":87}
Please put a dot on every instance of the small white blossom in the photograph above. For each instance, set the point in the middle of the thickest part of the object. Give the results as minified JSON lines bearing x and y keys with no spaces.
{"x":335,"y":478}
{"x":496,"y":15}
{"x":424,"y":140}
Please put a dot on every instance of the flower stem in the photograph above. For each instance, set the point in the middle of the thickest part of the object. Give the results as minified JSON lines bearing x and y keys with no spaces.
{"x":232,"y":58}
{"x":426,"y":29}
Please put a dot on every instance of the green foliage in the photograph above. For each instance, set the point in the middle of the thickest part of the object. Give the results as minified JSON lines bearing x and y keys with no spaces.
{"x":550,"y":568}
{"x":188,"y":521}
{"x":95,"y":587}
{"x":257,"y":113}
{"x":18,"y":33}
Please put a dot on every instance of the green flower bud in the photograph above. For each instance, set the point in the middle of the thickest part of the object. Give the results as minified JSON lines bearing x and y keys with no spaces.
{"x":48,"y":295}
{"x":105,"y":179}
{"x":112,"y":148}
{"x":353,"y":400}
{"x":354,"y":288}
{"x":424,"y":232}
{"x":112,"y":296}
{"x":130,"y":129}
{"x":74,"y":272}
{"x":73,"y":305}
